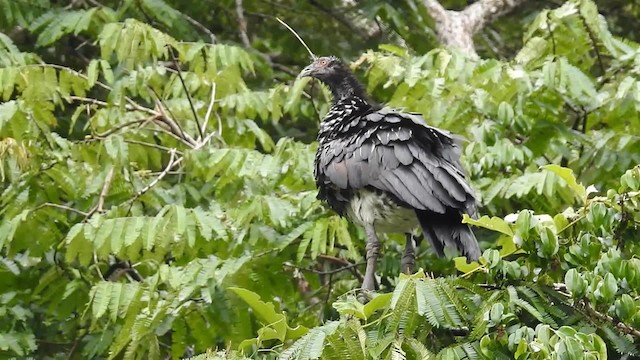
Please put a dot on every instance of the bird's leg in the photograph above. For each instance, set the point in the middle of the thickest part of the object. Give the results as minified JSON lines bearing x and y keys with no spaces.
{"x":408,"y":263}
{"x":373,"y":250}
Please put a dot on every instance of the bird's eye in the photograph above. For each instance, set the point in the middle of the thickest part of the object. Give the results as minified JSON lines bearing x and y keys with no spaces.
{"x":323,"y":62}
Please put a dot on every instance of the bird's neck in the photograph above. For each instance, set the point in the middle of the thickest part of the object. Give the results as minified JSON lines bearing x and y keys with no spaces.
{"x":347,"y":87}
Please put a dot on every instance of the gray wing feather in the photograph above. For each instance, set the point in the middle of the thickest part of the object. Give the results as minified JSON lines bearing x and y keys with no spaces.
{"x":399,"y":154}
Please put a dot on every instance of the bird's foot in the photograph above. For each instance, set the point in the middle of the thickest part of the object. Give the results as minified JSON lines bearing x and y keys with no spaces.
{"x":408,"y":262}
{"x":364,"y":295}
{"x":408,"y":265}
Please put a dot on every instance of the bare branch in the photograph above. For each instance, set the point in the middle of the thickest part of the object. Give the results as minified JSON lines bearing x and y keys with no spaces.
{"x":132,"y":105}
{"x":437,"y":12}
{"x":155,"y":146}
{"x":186,"y":91}
{"x":622,"y":327}
{"x":278,"y":66}
{"x":105,"y":189}
{"x":197,"y":24}
{"x":170,"y":165}
{"x":455,"y":29}
{"x":103,"y":194}
{"x":120,"y":127}
{"x":59,"y":206}
{"x":159,"y":117}
{"x":585,"y":308}
{"x":170,"y":133}
{"x":207,"y":115}
{"x":346,"y":265}
{"x":204,"y":141}
{"x":484,"y":12}
{"x":174,"y":127}
{"x":242,"y":24}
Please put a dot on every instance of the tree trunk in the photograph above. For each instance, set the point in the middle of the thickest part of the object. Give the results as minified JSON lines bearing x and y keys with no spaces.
{"x":455,"y":29}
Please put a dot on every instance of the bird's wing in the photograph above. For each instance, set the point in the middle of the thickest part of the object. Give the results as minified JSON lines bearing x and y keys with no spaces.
{"x":399,"y":154}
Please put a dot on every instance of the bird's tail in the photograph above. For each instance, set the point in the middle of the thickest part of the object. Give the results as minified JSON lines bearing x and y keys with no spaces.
{"x":447,"y":230}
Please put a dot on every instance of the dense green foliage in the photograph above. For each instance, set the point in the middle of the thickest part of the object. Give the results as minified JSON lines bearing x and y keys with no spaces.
{"x":131,"y":136}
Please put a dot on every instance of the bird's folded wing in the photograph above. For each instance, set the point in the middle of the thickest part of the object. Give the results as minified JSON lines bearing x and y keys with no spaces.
{"x":398,"y":154}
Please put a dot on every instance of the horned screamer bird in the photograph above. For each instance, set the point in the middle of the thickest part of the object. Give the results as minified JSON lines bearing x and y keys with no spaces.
{"x":387,"y":171}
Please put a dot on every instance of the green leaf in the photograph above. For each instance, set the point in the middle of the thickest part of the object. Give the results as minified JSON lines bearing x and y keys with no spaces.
{"x":568,"y":176}
{"x":491,"y":223}
{"x":275,"y":322}
{"x":625,"y":307}
{"x":575,"y":283}
{"x":350,"y":306}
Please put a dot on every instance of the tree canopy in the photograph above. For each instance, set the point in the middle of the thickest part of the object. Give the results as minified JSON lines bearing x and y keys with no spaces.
{"x":157,"y":197}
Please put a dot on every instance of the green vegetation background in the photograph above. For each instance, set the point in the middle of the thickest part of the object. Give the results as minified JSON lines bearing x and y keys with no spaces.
{"x":173,"y":139}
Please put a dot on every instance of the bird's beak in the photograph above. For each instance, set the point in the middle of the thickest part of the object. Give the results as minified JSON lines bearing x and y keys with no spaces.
{"x":307,"y":71}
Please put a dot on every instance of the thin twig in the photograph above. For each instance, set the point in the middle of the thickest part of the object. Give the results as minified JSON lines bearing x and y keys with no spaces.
{"x":75,"y":345}
{"x":313,"y":56}
{"x":156,"y":114}
{"x":174,"y":126}
{"x":186,"y":91}
{"x":120,"y":127}
{"x":592,"y":38}
{"x":164,"y":173}
{"x":330,"y":287}
{"x":60,"y":67}
{"x":130,"y":107}
{"x":346,"y":265}
{"x":170,"y":133}
{"x":209,"y":108}
{"x":105,"y":189}
{"x":59,"y":206}
{"x":197,"y":24}
{"x":334,"y":271}
{"x":103,"y":194}
{"x":204,"y":141}
{"x":155,"y":146}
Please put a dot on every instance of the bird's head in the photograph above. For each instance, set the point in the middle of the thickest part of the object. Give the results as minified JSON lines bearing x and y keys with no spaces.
{"x":326,"y":69}
{"x":336,"y":75}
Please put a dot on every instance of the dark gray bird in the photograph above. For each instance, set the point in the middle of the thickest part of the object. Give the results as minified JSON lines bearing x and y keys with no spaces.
{"x":387,"y":171}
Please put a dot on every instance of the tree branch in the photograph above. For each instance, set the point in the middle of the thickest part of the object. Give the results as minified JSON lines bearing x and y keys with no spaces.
{"x":199,"y":25}
{"x":120,"y":127}
{"x":622,"y":327}
{"x":455,"y":29}
{"x":207,"y":115}
{"x":103,"y":194}
{"x":484,"y":12}
{"x":242,"y":24}
{"x":171,"y":164}
{"x":437,"y":12}
{"x":105,"y":189}
{"x":173,"y":125}
{"x":59,"y":206}
{"x":186,"y":91}
{"x":154,"y":146}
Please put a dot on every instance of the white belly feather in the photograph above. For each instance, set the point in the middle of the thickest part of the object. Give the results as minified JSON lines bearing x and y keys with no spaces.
{"x":368,"y":207}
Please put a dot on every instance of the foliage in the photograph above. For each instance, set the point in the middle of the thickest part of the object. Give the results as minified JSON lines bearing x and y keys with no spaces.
{"x":157,"y":194}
